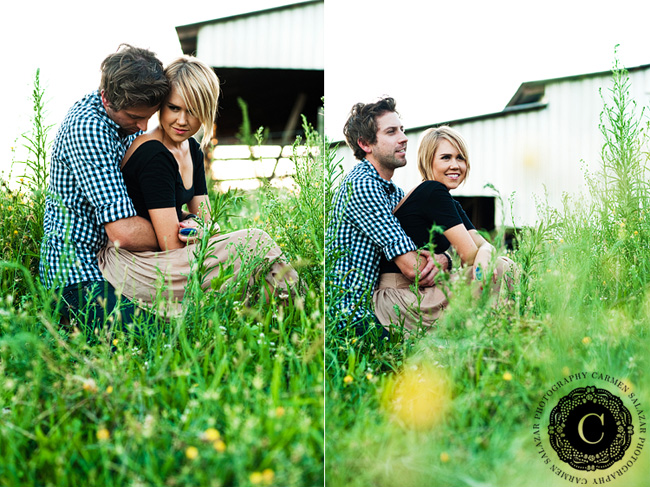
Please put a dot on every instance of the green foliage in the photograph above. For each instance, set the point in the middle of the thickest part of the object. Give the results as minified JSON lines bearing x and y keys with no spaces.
{"x":295,"y":218}
{"x":229,"y":393}
{"x":582,"y":304}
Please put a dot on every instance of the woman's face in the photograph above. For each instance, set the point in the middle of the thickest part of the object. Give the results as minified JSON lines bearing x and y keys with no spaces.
{"x":449,"y":166}
{"x":176,"y":120}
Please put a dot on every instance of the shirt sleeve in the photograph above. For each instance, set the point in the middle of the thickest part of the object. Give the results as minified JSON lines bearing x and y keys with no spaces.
{"x":442,"y":208}
{"x":94,"y":158}
{"x":200,"y":185}
{"x":157,"y":178}
{"x":370,"y":211}
{"x":466,"y":221}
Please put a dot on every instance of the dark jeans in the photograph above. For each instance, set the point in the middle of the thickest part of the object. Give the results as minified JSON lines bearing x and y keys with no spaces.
{"x":94,"y":304}
{"x":371,"y":325}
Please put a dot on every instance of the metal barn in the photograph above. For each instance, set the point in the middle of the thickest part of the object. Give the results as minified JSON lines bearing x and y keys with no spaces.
{"x":536,"y":149}
{"x":272,"y":59}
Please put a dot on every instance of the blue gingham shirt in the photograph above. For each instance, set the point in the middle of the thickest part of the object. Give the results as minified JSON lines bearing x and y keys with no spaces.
{"x":86,"y":190}
{"x":362,"y":226}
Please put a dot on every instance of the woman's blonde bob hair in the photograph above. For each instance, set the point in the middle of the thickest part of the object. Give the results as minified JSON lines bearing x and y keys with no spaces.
{"x":429,"y":145}
{"x":198,"y":85}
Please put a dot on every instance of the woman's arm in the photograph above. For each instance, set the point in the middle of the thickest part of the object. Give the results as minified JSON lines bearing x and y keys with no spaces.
{"x":471,"y":247}
{"x":200,"y":206}
{"x":165,"y":224}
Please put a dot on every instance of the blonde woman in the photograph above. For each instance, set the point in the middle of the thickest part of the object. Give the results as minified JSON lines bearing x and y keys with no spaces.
{"x":163,"y":170}
{"x":443,"y":162}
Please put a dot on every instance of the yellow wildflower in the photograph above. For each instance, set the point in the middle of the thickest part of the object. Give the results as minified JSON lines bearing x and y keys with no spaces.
{"x":586,"y":340}
{"x":507,"y":376}
{"x":103,"y":434}
{"x":347,"y":379}
{"x":89,"y":385}
{"x":211,"y":434}
{"x":444,"y":457}
{"x":256,"y":477}
{"x":219,"y":445}
{"x":191,"y":452}
{"x":109,"y":389}
{"x":268,"y":475}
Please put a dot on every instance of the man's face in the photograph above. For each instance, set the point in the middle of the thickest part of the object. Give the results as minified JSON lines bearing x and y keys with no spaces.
{"x":389,"y":151}
{"x":130,"y":119}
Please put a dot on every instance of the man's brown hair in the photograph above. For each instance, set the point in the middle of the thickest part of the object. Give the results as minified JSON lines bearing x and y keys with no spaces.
{"x":133,"y":77}
{"x":362,"y":124}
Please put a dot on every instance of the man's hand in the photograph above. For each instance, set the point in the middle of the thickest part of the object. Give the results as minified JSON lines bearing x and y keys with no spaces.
{"x":421,"y":265}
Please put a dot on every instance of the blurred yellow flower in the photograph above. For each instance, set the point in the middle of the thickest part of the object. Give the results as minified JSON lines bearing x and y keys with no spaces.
{"x":565,"y":370}
{"x":268,"y":475}
{"x":219,"y":445}
{"x":586,"y":340}
{"x":347,"y":379}
{"x":191,"y":452}
{"x":507,"y":376}
{"x":279,"y":412}
{"x":255,"y":477}
{"x":444,"y":457}
{"x":369,"y":376}
{"x":89,"y":385}
{"x":211,"y":434}
{"x":115,"y":341}
{"x":421,"y":396}
{"x":103,"y":434}
{"x":109,"y":389}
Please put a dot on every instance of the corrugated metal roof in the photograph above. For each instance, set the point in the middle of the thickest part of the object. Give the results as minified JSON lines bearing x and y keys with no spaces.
{"x":288,"y":37}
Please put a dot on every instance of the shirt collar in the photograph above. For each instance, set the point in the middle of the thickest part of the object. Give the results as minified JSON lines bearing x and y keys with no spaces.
{"x":389,"y":186}
{"x":95,"y":100}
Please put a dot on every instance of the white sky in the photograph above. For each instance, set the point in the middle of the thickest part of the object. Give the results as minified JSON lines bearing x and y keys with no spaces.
{"x":443,"y":60}
{"x":440,"y":60}
{"x":68,"y":39}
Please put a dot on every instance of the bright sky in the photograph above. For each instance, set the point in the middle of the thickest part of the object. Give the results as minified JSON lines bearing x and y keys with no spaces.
{"x":443,"y":60}
{"x":68,"y":39}
{"x":440,"y":60}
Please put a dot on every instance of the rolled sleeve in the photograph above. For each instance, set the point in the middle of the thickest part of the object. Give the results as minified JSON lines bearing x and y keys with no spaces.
{"x":122,"y":208}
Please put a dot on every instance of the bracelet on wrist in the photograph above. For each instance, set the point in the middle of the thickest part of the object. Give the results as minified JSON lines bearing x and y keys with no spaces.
{"x":191,"y":216}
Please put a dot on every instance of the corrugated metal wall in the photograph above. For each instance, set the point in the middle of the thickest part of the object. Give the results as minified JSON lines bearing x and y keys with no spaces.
{"x":530,"y":153}
{"x":285,"y":39}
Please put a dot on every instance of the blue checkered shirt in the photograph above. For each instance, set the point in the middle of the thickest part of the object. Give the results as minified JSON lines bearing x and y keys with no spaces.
{"x":361,"y":227}
{"x":86,"y":190}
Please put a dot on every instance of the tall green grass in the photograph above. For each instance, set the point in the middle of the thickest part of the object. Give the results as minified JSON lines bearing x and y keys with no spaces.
{"x":582,"y":304}
{"x":228,"y":394}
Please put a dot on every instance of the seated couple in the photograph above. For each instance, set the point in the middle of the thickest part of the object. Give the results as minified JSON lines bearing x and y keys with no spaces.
{"x":114,"y":219}
{"x":378,"y":231}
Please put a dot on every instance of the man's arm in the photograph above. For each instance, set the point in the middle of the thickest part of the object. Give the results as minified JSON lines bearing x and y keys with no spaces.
{"x":422,"y":265}
{"x":134,"y":233}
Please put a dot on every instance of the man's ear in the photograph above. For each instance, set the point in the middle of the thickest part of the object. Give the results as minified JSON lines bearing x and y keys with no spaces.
{"x":364,"y":146}
{"x":104,"y":99}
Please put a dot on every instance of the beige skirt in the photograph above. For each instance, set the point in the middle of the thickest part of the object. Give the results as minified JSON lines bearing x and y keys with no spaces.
{"x":394,"y":290}
{"x":148,"y":276}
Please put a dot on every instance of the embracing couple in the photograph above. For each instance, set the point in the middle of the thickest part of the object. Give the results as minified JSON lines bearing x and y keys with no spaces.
{"x":125,"y":208}
{"x":379,"y":237}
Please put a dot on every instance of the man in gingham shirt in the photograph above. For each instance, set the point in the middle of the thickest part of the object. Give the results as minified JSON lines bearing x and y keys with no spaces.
{"x":87,"y":201}
{"x":363,"y":224}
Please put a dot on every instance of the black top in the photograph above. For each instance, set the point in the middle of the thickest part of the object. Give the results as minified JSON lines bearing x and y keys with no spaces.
{"x":153,"y":179}
{"x":428,"y":205}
